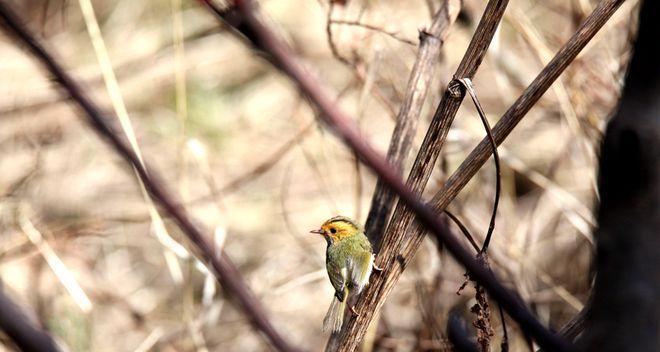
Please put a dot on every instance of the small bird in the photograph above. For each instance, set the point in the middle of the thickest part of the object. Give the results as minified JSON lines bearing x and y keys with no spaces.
{"x":349,"y":261}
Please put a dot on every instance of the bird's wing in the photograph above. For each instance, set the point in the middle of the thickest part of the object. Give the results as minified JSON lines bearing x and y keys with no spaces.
{"x":360,"y":269}
{"x":337,"y":275}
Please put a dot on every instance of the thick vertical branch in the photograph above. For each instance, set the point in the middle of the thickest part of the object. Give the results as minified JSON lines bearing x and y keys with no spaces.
{"x":431,"y":41}
{"x":27,"y":336}
{"x":222,"y":266}
{"x":626,"y":299}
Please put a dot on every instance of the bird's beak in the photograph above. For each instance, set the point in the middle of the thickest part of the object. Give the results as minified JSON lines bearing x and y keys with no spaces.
{"x":319,"y":231}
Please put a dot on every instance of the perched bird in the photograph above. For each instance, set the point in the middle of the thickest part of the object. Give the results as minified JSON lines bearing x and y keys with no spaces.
{"x":349,"y":260}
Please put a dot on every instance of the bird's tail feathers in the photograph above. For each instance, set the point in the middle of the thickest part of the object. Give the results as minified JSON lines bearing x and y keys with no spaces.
{"x":335,"y":316}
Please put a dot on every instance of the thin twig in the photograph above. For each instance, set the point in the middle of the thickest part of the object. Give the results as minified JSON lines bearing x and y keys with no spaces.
{"x":61,"y":271}
{"x":223,"y":267}
{"x":463,"y":229}
{"x":467,"y":83}
{"x":258,"y":170}
{"x":331,"y":41}
{"x":245,"y":19}
{"x":268,"y":163}
{"x":393,"y":35}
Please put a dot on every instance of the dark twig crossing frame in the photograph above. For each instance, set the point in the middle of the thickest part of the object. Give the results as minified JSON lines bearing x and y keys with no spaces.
{"x":221,"y":265}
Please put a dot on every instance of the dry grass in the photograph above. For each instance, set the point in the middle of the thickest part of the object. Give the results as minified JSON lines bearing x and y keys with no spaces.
{"x":239,"y":112}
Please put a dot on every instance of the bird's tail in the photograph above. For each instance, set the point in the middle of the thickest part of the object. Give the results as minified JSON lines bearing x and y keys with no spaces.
{"x":335,"y":315}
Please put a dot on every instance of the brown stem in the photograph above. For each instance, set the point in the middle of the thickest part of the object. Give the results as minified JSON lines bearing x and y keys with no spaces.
{"x":467,"y":83}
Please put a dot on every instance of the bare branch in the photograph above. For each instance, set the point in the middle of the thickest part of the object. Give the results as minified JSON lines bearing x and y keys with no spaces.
{"x":222,"y":266}
{"x":524,"y":103}
{"x":371,"y":27}
{"x":331,"y":41}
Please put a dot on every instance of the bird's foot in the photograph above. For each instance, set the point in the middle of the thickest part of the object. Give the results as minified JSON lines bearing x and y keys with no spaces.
{"x":377,"y":268}
{"x":352,"y":308}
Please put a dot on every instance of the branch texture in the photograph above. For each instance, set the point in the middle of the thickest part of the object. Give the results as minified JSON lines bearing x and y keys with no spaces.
{"x":526,"y":101}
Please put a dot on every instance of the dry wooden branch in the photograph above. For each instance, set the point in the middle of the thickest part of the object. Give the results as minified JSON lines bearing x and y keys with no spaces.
{"x":23,"y":332}
{"x":524,"y":103}
{"x":245,"y":18}
{"x":431,"y":41}
{"x":226,"y":272}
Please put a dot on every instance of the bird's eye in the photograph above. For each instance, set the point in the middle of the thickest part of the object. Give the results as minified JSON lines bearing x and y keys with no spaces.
{"x":333,"y":230}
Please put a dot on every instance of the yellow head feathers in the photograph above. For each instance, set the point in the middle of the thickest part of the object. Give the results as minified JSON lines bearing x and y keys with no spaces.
{"x":339,"y":227}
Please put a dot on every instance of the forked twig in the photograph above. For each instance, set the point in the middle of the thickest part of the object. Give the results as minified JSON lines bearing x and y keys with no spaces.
{"x":463,"y":229}
{"x":330,"y":37}
{"x":467,"y":83}
{"x":222,"y":266}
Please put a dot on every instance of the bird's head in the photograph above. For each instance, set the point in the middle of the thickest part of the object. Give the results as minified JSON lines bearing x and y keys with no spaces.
{"x":338,"y":228}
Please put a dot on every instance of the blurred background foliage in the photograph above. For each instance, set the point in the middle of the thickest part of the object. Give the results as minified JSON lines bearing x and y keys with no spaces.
{"x":243,"y":150}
